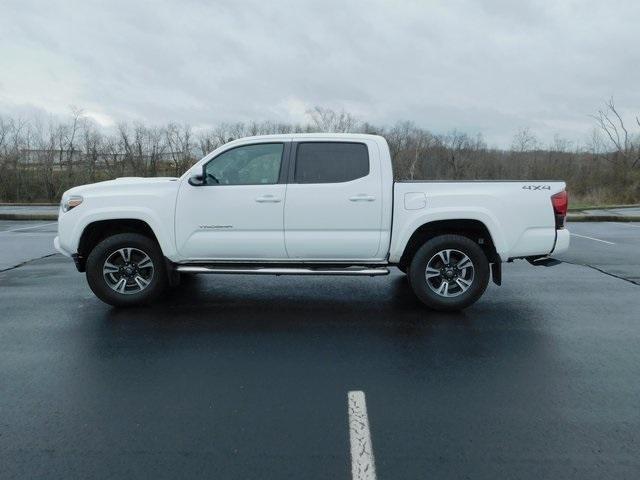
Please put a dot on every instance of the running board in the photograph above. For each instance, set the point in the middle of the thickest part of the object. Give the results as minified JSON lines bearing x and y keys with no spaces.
{"x":371,"y":272}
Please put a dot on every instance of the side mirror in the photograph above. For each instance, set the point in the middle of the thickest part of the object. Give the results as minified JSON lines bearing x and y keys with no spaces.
{"x":196,"y":180}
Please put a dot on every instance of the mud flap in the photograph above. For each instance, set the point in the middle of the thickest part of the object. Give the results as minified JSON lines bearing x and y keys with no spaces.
{"x":173,"y":275}
{"x":496,"y":273}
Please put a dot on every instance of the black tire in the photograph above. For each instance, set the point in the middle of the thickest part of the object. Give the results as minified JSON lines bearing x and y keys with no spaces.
{"x":477,"y":276}
{"x":157,"y":276}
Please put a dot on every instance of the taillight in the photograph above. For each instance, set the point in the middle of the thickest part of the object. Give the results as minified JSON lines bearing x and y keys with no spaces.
{"x":560,"y":202}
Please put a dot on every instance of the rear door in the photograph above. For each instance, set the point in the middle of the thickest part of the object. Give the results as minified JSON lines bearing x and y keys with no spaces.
{"x":333,"y":208}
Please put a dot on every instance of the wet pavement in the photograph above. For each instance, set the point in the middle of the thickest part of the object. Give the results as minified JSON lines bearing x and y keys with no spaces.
{"x":247,"y":377}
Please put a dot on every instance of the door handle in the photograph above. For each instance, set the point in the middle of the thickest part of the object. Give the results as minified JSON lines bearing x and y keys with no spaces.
{"x":362,"y":197}
{"x":268,"y":199}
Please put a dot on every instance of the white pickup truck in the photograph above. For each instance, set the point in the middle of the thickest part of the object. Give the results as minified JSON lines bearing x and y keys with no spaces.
{"x":307,"y":204}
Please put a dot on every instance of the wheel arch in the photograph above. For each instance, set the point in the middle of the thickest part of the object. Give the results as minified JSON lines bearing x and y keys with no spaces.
{"x":473,"y":229}
{"x":96,"y":231}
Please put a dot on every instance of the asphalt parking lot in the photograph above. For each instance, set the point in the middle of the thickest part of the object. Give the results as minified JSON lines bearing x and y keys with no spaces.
{"x":247,"y":377}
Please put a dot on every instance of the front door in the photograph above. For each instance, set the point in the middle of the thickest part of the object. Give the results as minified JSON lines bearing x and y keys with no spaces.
{"x":237,"y":214}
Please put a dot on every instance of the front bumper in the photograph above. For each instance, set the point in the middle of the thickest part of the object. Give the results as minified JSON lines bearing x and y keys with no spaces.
{"x":58,"y":247}
{"x":78,"y":259}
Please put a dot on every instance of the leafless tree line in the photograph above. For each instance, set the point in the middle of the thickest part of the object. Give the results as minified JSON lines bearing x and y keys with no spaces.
{"x":38,"y":163}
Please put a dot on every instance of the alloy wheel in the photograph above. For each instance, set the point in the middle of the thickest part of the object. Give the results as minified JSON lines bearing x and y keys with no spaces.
{"x":449,"y":273}
{"x":128,"y":270}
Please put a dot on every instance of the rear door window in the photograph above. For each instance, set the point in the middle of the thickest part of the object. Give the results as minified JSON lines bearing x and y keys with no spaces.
{"x":330,"y":162}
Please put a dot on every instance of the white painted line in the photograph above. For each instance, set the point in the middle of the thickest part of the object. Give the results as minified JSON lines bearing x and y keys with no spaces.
{"x":628,"y":224}
{"x":591,"y":238}
{"x":28,"y":228}
{"x":362,"y":465}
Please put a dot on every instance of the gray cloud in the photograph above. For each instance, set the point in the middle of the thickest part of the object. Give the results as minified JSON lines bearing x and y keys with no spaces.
{"x":487,"y":66}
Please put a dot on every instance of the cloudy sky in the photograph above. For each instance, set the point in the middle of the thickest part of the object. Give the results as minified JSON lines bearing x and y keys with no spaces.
{"x":489,"y":66}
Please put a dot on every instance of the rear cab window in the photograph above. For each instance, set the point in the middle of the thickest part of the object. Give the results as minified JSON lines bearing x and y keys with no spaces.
{"x":330,"y":162}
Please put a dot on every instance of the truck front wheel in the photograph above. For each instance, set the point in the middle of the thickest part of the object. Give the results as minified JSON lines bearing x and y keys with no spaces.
{"x":126,"y":269}
{"x":449,"y":272}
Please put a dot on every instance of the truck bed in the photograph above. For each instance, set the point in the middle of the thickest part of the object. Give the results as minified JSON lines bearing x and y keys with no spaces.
{"x":518,"y":214}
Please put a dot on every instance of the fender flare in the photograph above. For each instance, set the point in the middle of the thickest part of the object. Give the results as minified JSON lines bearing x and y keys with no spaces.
{"x":479,"y":214}
{"x":146,"y":215}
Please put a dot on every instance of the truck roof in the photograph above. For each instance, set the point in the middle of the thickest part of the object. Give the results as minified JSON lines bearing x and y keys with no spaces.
{"x":319,"y":136}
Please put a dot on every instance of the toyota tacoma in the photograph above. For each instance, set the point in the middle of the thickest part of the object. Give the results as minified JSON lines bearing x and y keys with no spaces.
{"x":307,"y":204}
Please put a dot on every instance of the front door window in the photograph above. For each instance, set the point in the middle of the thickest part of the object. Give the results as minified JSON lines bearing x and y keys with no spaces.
{"x":247,"y":165}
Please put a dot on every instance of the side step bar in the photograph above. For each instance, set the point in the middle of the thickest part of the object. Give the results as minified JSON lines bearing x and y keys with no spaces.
{"x":371,"y":272}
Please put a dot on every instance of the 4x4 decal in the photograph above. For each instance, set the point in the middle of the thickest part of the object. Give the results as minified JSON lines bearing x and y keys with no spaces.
{"x":536,"y":187}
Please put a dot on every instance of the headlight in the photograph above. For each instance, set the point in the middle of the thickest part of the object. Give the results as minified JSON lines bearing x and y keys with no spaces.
{"x":71,"y":202}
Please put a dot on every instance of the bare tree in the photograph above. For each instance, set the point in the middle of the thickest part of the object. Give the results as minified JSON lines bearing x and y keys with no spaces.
{"x":327,"y":120}
{"x":524,"y":141}
{"x":39,"y":162}
{"x":179,"y":141}
{"x":93,"y":146}
{"x":4,"y":132}
{"x":613,"y":126}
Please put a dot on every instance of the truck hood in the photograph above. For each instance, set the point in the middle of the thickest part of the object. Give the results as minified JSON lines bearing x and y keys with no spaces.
{"x":123,"y":184}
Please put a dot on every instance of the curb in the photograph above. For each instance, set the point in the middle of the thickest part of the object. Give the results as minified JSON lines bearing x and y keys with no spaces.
{"x":29,"y":216}
{"x":29,"y":204}
{"x":603,"y":218}
{"x":604,"y":207}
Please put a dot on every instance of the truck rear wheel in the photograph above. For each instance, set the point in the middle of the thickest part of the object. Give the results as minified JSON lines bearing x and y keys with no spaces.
{"x":449,"y":272}
{"x":126,"y":269}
